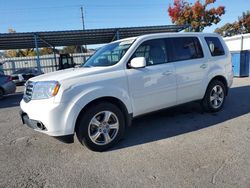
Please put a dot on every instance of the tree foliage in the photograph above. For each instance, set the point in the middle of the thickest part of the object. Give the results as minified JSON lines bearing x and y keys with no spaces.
{"x":73,"y":49}
{"x":237,"y":27}
{"x":20,"y":53}
{"x":46,"y":51}
{"x":197,"y":15}
{"x":229,"y":29}
{"x":244,"y":21}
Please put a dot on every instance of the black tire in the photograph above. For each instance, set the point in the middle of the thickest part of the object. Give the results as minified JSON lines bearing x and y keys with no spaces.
{"x":207,"y":104}
{"x":84,"y":127}
{"x":1,"y":93}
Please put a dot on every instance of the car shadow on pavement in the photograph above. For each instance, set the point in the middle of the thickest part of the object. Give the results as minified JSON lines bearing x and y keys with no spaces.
{"x":184,"y":119}
{"x":11,"y":100}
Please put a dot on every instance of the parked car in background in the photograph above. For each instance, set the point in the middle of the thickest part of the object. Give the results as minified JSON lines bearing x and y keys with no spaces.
{"x":7,"y":86}
{"x":20,"y":76}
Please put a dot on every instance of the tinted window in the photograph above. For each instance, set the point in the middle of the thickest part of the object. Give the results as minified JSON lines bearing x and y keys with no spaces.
{"x":215,"y":46}
{"x":154,"y":52}
{"x":185,"y":48}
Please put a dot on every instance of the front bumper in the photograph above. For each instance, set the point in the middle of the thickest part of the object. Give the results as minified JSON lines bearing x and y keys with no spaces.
{"x":37,"y":125}
{"x":48,"y":117}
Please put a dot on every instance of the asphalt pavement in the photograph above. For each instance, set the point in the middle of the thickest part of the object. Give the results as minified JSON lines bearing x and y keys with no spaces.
{"x":177,"y":147}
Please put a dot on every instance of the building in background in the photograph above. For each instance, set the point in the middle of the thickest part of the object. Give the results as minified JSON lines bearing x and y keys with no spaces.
{"x":239,"y":46}
{"x":238,"y":42}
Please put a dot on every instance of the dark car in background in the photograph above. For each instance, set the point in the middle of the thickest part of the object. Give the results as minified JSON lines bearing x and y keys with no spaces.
{"x":20,"y":76}
{"x":7,"y":86}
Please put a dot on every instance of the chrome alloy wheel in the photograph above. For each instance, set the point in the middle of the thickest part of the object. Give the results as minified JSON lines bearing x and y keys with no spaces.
{"x":217,"y":96}
{"x":103,"y":128}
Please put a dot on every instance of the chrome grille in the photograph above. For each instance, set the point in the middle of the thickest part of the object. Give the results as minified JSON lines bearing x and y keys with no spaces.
{"x":28,"y":91}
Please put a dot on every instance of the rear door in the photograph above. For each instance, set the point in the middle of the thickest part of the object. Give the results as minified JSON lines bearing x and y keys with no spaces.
{"x":191,"y":67}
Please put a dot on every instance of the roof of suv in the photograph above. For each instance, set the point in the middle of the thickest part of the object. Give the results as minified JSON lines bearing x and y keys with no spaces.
{"x":178,"y":34}
{"x":169,"y":35}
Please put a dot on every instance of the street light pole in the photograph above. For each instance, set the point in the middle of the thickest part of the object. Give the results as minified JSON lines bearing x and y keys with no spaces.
{"x":83,"y":25}
{"x":82,"y":16}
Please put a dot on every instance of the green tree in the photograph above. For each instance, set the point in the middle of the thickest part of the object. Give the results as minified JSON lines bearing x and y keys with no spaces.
{"x":20,"y":53}
{"x":237,"y":27}
{"x":197,"y":15}
{"x":46,"y":51}
{"x":229,"y":29}
{"x":244,"y":21}
{"x":73,"y":49}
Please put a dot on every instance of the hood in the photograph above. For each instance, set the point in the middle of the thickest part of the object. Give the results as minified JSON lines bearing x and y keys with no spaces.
{"x":67,"y":74}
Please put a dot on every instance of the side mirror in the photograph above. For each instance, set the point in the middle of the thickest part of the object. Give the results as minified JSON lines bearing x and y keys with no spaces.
{"x":138,"y":62}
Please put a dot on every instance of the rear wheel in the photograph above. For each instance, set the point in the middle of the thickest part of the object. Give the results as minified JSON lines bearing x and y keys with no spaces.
{"x":101,"y":126}
{"x":214,"y":98}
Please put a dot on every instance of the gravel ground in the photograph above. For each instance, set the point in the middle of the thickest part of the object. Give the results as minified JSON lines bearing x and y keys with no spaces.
{"x":178,"y":147}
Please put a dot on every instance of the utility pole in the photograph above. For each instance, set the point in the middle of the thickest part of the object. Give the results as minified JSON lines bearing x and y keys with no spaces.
{"x":83,"y":25}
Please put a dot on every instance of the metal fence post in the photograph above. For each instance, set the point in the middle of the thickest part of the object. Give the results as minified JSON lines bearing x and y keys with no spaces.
{"x":55,"y":65}
{"x":37,"y":53}
{"x":117,"y":35}
{"x":13,"y":66}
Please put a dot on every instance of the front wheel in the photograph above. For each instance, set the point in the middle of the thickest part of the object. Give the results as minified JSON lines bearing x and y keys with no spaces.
{"x":101,"y":126}
{"x":214,"y":98}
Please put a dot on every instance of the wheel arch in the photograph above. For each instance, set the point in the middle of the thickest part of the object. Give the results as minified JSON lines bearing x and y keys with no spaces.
{"x":110,"y":99}
{"x":221,"y":79}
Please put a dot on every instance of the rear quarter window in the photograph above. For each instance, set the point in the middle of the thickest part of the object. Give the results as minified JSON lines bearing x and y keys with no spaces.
{"x":215,"y":46}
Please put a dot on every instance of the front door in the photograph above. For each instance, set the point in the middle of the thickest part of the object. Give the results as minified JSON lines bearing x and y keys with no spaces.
{"x":152,"y":87}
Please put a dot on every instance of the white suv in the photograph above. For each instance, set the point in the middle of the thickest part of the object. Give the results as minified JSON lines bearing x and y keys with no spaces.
{"x":125,"y":79}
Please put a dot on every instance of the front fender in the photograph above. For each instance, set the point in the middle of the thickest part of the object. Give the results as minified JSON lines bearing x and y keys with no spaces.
{"x":85,"y":97}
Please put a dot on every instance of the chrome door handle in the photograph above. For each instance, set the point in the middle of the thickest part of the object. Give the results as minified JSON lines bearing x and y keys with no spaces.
{"x":203,"y":66}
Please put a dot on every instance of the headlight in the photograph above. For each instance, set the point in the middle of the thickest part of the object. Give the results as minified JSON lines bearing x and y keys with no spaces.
{"x":45,"y":90}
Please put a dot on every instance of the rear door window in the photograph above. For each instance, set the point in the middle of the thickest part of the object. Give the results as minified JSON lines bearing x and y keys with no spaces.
{"x":185,"y":48}
{"x":215,"y":46}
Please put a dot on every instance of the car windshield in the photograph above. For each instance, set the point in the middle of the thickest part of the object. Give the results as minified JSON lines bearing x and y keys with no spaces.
{"x":109,"y":54}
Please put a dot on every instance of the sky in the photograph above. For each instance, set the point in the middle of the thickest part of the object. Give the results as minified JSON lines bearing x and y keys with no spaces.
{"x":55,"y":15}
